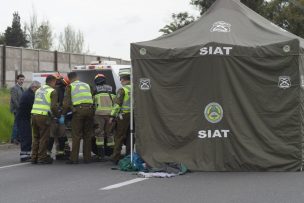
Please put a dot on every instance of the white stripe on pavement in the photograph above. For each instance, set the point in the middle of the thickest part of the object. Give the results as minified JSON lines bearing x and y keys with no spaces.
{"x":1,"y":167}
{"x":123,"y":183}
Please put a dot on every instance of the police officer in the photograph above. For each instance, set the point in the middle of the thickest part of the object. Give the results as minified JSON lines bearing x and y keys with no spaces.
{"x":57,"y":125}
{"x":79,"y":97}
{"x":103,"y":99}
{"x":45,"y":106}
{"x":121,"y":111}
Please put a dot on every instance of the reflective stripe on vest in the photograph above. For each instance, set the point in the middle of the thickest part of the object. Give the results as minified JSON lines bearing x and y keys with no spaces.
{"x":81,"y":93}
{"x":125,"y":108}
{"x":42,"y":102}
{"x":104,"y":103}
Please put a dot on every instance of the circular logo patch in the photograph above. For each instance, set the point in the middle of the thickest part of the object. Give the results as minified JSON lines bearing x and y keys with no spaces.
{"x":214,"y":112}
{"x":286,"y":48}
{"x":143,"y":51}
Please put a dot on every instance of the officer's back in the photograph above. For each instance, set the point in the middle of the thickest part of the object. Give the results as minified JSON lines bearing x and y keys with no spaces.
{"x":79,"y":98}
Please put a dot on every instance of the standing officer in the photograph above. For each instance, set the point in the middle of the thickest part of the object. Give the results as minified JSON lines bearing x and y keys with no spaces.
{"x":23,"y":119}
{"x":57,"y":125}
{"x":45,"y":106}
{"x":103,"y":99}
{"x":121,"y":111}
{"x":79,"y":97}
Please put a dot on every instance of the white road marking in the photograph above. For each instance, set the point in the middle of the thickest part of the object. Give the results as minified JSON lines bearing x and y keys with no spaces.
{"x":123,"y":183}
{"x":1,"y":167}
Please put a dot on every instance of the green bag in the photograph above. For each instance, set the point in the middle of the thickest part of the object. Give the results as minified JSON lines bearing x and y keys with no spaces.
{"x":125,"y":164}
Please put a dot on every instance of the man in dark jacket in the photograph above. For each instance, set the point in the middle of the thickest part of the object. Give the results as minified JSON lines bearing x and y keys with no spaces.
{"x":23,"y":120}
{"x":16,"y":93}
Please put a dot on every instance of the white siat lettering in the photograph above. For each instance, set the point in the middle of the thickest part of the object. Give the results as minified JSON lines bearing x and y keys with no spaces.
{"x":215,"y":51}
{"x":213,"y":134}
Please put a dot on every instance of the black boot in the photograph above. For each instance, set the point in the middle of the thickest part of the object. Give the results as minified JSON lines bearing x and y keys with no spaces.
{"x":50,"y":144}
{"x":47,"y":160}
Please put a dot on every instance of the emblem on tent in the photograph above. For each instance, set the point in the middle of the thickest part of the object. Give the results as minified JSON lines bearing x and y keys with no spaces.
{"x":284,"y":82}
{"x":144,"y":84}
{"x":143,"y":51}
{"x":286,"y":48}
{"x":214,"y":112}
{"x":220,"y":26}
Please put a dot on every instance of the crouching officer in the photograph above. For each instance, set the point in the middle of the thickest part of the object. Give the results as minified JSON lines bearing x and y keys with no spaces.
{"x":121,"y":111}
{"x":45,"y":106}
{"x":58,"y":125}
{"x":103,"y":99}
{"x":79,"y":97}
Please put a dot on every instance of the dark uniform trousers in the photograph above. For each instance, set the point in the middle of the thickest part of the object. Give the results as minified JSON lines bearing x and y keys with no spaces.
{"x":121,"y":136}
{"x":82,"y":127}
{"x":102,"y":125}
{"x":57,"y":132}
{"x":41,"y":133}
{"x":25,"y":135}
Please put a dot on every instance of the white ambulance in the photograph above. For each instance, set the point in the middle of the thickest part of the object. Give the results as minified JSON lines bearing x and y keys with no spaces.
{"x":87,"y":73}
{"x":109,"y":68}
{"x":41,"y":76}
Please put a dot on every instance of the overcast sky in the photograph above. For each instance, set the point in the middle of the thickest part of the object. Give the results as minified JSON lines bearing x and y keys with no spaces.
{"x":109,"y":26}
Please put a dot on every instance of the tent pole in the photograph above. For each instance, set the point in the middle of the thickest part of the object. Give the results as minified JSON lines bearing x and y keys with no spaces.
{"x":131,"y":116}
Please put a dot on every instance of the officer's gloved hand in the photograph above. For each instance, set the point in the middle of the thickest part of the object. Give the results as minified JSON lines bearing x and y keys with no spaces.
{"x":61,"y":120}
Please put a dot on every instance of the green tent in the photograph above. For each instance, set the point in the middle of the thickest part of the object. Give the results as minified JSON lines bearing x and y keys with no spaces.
{"x":224,"y":93}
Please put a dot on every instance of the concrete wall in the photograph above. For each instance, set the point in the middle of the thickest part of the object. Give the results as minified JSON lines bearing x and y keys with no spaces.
{"x":28,"y":61}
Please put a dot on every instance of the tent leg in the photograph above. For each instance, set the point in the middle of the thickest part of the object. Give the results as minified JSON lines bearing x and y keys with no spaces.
{"x":131,"y":143}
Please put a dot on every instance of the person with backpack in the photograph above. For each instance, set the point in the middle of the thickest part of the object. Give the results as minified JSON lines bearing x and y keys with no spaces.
{"x":103,"y":99}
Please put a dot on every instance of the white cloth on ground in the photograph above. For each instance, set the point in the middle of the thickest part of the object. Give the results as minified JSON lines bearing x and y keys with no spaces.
{"x":156,"y":175}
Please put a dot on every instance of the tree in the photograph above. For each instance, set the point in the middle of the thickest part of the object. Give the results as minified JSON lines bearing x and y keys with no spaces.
{"x":14,"y":35}
{"x":183,"y":18}
{"x":179,"y":20}
{"x":203,"y":5}
{"x":40,"y":35}
{"x":44,"y":36}
{"x":71,"y":41}
{"x":32,"y":28}
{"x":2,"y":39}
{"x":288,"y":14}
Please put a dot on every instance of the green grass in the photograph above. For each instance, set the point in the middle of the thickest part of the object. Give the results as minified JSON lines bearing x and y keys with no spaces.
{"x":6,"y":117}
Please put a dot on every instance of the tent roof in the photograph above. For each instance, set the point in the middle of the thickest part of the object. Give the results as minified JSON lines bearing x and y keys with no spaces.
{"x":226,"y":22}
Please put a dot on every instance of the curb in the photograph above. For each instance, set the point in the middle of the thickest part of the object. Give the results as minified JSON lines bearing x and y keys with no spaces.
{"x":8,"y":146}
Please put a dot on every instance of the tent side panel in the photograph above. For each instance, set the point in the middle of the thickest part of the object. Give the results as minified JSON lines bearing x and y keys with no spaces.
{"x":301,"y":94}
{"x":217,"y":113}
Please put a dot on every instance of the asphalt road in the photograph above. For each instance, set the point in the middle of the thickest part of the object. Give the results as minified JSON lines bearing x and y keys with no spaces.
{"x":83,"y":183}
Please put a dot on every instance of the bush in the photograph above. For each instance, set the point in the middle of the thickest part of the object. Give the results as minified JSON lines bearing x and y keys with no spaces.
{"x":6,"y":117}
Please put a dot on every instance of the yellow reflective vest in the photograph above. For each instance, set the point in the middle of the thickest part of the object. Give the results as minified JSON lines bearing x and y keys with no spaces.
{"x":125,"y":107}
{"x":42,"y":102}
{"x":104,"y":103}
{"x":81,"y":93}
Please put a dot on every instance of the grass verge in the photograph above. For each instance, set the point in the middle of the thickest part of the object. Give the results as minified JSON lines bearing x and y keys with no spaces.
{"x":6,"y":117}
